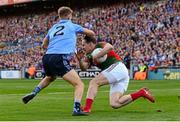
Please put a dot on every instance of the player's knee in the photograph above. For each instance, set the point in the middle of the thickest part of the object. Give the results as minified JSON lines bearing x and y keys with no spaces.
{"x":115,"y":104}
{"x":51,"y":78}
{"x":94,"y":83}
{"x":79,"y":84}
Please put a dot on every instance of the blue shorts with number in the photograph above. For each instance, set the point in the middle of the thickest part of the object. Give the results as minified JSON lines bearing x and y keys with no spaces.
{"x":56,"y":64}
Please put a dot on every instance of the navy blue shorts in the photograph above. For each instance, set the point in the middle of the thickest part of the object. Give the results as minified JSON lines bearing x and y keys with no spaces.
{"x":56,"y":64}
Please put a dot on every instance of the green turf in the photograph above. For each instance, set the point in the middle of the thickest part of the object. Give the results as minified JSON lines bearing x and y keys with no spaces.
{"x":56,"y":101}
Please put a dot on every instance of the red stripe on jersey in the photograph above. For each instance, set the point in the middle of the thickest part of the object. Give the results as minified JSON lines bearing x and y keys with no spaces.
{"x":112,"y":53}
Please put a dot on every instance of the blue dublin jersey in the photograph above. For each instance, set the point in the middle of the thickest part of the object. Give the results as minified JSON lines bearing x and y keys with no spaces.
{"x":62,"y":37}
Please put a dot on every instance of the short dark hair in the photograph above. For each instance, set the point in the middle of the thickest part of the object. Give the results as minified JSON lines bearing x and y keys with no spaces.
{"x":64,"y":11}
{"x":89,"y":39}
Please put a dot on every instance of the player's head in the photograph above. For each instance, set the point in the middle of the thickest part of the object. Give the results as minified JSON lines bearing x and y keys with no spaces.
{"x":89,"y":43}
{"x":65,"y":12}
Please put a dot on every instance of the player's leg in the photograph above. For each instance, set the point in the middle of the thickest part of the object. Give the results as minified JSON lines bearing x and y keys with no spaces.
{"x":73,"y":78}
{"x":105,"y":77}
{"x":117,"y":99}
{"x":119,"y":84}
{"x":94,"y":84}
{"x":48,"y":63}
{"x":117,"y":89}
{"x":44,"y":83}
{"x":143,"y":92}
{"x":118,"y":78}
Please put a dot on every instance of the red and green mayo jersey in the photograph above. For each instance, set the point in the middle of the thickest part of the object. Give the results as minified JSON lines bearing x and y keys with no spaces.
{"x":112,"y":57}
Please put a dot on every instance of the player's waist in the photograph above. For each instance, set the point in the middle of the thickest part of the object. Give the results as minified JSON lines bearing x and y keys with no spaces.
{"x":68,"y":54}
{"x":116,"y":61}
{"x":63,"y":52}
{"x":105,"y":65}
{"x":61,"y":49}
{"x":113,"y":60}
{"x":61,"y":56}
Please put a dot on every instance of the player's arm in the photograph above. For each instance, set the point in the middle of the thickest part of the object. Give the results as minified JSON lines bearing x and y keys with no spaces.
{"x":82,"y":30}
{"x":88,"y":32}
{"x":83,"y":63}
{"x":45,"y":43}
{"x":106,"y":48}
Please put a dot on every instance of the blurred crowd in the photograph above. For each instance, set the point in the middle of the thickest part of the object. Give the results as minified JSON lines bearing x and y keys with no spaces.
{"x":147,"y":32}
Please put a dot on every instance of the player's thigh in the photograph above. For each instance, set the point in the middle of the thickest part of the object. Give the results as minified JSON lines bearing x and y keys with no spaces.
{"x":117,"y":90}
{"x":72,"y":77}
{"x":116,"y":73}
{"x":50,"y":78}
{"x":120,"y":86}
{"x":100,"y":80}
{"x":56,"y":64}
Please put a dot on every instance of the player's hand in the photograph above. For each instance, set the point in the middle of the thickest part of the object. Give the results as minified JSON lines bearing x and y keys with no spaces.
{"x":95,"y":59}
{"x":79,"y":55}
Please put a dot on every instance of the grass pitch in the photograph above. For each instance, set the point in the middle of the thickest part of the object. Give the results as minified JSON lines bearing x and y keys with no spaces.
{"x":56,"y":101}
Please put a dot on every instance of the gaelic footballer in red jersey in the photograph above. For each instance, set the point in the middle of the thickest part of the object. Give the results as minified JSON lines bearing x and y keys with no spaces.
{"x":114,"y":73}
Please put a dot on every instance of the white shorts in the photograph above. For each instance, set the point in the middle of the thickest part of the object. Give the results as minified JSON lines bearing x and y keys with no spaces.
{"x":118,"y":77}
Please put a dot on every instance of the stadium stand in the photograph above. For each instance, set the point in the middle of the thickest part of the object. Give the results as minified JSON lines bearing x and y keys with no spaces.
{"x":148,"y":31}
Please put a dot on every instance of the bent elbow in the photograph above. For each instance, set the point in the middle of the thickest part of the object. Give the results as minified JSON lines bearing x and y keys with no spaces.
{"x":44,"y":46}
{"x":91,"y":33}
{"x":110,"y":47}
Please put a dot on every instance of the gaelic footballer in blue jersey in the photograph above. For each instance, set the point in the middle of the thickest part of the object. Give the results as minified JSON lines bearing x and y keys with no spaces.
{"x":60,"y":43}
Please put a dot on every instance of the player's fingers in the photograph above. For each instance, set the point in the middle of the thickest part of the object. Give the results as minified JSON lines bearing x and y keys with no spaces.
{"x":95,"y":61}
{"x":77,"y":56}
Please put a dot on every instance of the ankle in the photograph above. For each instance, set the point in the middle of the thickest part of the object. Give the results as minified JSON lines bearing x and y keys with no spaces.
{"x":77,"y":106}
{"x":89,"y":103}
{"x":34,"y":93}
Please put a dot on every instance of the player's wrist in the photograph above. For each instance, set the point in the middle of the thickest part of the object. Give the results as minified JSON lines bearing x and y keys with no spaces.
{"x":81,"y":60}
{"x":89,"y":56}
{"x":95,"y":57}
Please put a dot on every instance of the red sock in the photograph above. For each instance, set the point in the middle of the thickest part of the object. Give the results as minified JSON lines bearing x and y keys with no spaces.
{"x":136,"y":95}
{"x":88,"y":103}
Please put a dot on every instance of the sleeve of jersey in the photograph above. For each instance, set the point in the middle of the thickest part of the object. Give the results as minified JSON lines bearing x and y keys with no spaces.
{"x":100,"y":45}
{"x":78,"y":28}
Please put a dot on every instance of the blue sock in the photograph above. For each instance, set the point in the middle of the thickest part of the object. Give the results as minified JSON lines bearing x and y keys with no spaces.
{"x":36,"y":90}
{"x":77,"y":106}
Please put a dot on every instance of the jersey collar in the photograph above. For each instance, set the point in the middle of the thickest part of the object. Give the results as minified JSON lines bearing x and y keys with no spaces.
{"x":64,"y":20}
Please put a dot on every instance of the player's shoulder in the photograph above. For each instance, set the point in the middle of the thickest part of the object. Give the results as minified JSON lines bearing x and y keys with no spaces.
{"x":101,"y":44}
{"x":76,"y":25}
{"x":53,"y":26}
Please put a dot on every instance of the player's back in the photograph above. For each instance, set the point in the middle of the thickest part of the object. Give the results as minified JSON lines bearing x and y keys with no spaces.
{"x":62,"y":37}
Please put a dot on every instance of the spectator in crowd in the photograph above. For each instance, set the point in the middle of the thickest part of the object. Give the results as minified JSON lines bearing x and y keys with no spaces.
{"x":31,"y":71}
{"x":142,"y":73}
